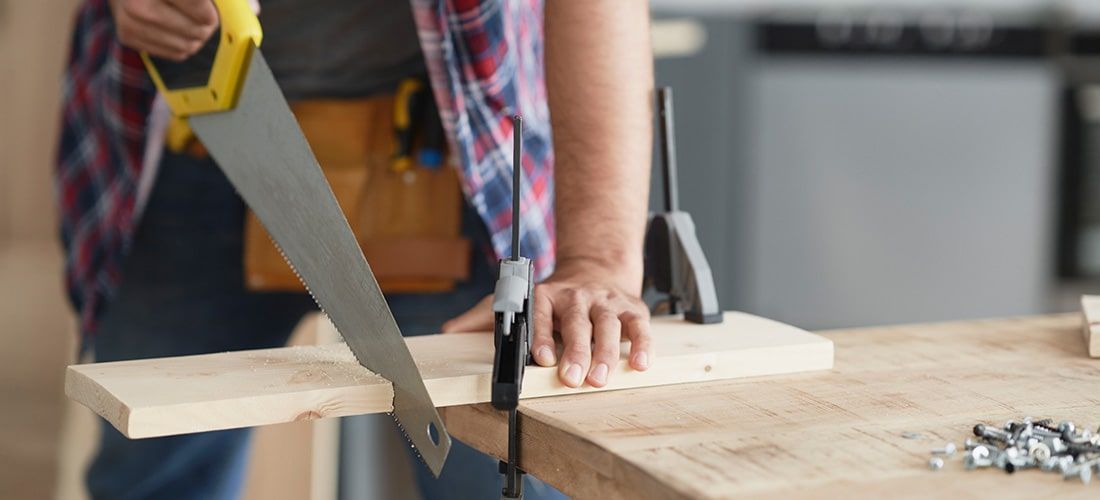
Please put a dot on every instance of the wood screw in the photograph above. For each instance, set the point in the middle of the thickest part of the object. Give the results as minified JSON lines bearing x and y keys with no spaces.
{"x":948,"y":449}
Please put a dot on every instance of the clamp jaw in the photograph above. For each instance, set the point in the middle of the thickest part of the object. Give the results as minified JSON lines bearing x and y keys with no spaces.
{"x":512,"y":321}
{"x":675,"y":264}
{"x":512,"y":310}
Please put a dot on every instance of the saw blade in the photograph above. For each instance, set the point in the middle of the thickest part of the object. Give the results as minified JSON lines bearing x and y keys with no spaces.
{"x":263,"y":152}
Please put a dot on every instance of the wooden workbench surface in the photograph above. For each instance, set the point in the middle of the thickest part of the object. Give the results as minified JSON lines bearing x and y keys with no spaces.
{"x":825,"y":434}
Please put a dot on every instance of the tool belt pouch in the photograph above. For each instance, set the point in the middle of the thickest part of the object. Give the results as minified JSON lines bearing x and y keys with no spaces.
{"x":408,"y":223}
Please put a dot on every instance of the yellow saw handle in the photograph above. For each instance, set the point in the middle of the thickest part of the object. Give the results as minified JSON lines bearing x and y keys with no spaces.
{"x":211,"y":80}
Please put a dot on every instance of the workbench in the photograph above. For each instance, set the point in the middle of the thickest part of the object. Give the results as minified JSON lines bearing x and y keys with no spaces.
{"x":835,"y":434}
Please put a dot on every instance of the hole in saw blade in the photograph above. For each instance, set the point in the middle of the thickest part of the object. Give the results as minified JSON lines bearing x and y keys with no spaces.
{"x":433,"y":433}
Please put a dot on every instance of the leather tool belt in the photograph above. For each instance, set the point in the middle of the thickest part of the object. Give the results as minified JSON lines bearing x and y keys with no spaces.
{"x":405,"y":209}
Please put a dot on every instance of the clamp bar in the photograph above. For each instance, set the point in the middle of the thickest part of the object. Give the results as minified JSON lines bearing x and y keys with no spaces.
{"x":512,"y":328}
{"x":513,"y":475}
{"x":668,"y":149}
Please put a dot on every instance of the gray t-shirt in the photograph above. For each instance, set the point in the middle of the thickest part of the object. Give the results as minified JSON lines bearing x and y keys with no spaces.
{"x":339,"y":48}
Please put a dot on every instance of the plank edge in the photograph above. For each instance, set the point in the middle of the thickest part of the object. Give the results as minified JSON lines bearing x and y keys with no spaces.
{"x":1090,"y":323}
{"x":84,"y":389}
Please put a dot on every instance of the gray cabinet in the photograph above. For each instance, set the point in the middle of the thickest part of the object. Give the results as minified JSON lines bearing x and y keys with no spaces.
{"x":842,"y":191}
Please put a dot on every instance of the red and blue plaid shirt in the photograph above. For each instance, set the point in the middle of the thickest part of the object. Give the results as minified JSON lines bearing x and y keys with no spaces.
{"x":484,"y":58}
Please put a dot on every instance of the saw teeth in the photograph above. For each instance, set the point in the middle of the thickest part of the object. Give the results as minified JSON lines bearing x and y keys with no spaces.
{"x":404,"y":433}
{"x":306,"y":286}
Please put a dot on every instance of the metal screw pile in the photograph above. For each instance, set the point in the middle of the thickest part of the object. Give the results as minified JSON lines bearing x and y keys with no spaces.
{"x":1030,"y":444}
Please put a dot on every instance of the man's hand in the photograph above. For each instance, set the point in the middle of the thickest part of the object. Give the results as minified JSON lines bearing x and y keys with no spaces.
{"x":592,"y":314}
{"x":171,"y":29}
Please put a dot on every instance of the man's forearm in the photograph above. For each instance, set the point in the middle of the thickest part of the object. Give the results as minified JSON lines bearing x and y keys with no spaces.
{"x":599,"y":67}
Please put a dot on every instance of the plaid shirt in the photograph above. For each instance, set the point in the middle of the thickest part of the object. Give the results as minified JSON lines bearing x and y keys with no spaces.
{"x":484,"y":59}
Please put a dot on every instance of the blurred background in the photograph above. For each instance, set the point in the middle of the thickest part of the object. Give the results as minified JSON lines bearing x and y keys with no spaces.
{"x":847,"y":163}
{"x":856,"y":163}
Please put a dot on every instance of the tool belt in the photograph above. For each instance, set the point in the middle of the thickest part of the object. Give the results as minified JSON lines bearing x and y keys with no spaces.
{"x":383,"y":157}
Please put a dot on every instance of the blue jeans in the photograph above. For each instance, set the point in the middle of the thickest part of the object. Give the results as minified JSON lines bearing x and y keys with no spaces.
{"x":183,"y":293}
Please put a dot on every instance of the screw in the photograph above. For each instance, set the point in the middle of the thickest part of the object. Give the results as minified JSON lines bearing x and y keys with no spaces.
{"x":1057,"y":446}
{"x":948,"y":449}
{"x":1019,"y":431}
{"x":1078,"y":472}
{"x":972,"y":463}
{"x":1066,"y":427}
{"x":1044,"y":432}
{"x":984,"y":431}
{"x":1078,"y":440}
{"x":935,"y":463}
{"x":1040,"y":452}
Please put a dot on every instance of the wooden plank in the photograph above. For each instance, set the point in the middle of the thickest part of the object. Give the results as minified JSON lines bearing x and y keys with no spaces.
{"x":167,"y":396}
{"x":1090,"y":310}
{"x":835,"y":434}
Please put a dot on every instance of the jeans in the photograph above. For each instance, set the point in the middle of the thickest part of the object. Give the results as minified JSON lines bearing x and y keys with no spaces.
{"x":183,"y":293}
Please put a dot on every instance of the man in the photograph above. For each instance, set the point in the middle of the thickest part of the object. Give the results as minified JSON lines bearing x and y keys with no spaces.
{"x":153,"y":238}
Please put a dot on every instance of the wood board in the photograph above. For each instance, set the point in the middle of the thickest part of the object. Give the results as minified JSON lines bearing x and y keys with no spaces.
{"x":1090,"y":328}
{"x":839,"y":434}
{"x":158,"y":397}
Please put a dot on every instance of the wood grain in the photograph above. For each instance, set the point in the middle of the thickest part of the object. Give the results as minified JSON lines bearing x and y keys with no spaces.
{"x":158,"y":397}
{"x":835,"y":434}
{"x":1090,"y":311}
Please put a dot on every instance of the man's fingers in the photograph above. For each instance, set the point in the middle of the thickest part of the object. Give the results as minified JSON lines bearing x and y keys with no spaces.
{"x":145,"y":36}
{"x":169,"y":19}
{"x":606,"y":333}
{"x":165,"y":47}
{"x":201,"y":12}
{"x":576,"y":335}
{"x":636,"y":328}
{"x":164,"y":29}
{"x":477,"y":319}
{"x":542,"y":333}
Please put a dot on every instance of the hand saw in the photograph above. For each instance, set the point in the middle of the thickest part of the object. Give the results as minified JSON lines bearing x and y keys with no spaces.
{"x":235,"y":107}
